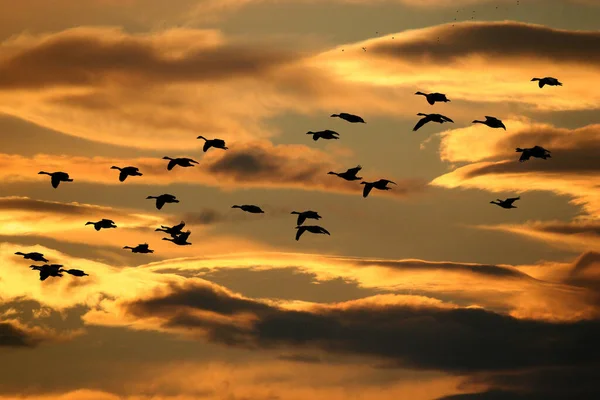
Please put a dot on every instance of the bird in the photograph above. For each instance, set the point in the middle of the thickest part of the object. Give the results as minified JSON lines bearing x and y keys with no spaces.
{"x":349,"y":175}
{"x":74,"y":272}
{"x":57,"y":177}
{"x":47,"y":270}
{"x":250,"y":208}
{"x":180,"y":239}
{"x":34,"y":256}
{"x":311,"y":229}
{"x":492,"y":122}
{"x":103,"y":223}
{"x":380,"y":184}
{"x":326,"y":134}
{"x":182,"y":162}
{"x":535,"y":151}
{"x":349,"y":117}
{"x":216,"y":143}
{"x":140,"y":248}
{"x":162,"y":199}
{"x":127,"y":171}
{"x":547,"y":81}
{"x":173,"y":230}
{"x":508,"y":203}
{"x":302,"y":216}
{"x":433,"y":97}
{"x":439,"y":118}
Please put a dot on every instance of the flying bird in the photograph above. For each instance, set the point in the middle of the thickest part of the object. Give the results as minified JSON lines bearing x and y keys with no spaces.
{"x":182,"y":162}
{"x":302,"y":216}
{"x":380,"y":185}
{"x":535,"y":151}
{"x":250,"y":208}
{"x":34,"y":256}
{"x":216,"y":143}
{"x":311,"y":229}
{"x":508,"y":203}
{"x":47,"y":270}
{"x":432,"y":98}
{"x":180,"y":239}
{"x":162,"y":199}
{"x":492,"y":122}
{"x":74,"y":272}
{"x":57,"y":177}
{"x":326,"y":134}
{"x":173,"y":230}
{"x":439,"y":118}
{"x":349,"y":117}
{"x":349,"y":175}
{"x":547,"y":81}
{"x":140,"y":248}
{"x":127,"y":171}
{"x":103,"y":223}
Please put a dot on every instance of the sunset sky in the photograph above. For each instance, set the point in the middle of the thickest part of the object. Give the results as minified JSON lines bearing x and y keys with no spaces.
{"x":422,"y":292}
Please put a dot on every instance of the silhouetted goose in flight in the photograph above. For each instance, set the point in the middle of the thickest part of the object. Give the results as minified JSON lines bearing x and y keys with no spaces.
{"x":162,"y":199}
{"x":535,"y":151}
{"x":547,"y":81}
{"x":57,"y":177}
{"x":433,"y":97}
{"x":439,"y":118}
{"x":250,"y":208}
{"x":311,"y":229}
{"x":216,"y":143}
{"x":127,"y":171}
{"x":326,"y":134}
{"x":34,"y":256}
{"x":173,"y":230}
{"x":74,"y":272}
{"x":349,"y":175}
{"x":349,"y":117}
{"x":180,"y":239}
{"x":508,"y":203}
{"x":302,"y":216}
{"x":103,"y":223}
{"x":380,"y":184}
{"x":182,"y":162}
{"x":492,"y":122}
{"x":47,"y":270}
{"x":140,"y":248}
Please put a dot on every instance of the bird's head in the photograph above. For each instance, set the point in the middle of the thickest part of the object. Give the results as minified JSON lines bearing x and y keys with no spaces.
{"x":363,"y":183}
{"x":167,"y":158}
{"x":150,"y":197}
{"x":89,"y":223}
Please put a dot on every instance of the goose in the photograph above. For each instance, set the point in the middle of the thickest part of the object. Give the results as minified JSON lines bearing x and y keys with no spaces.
{"x":492,"y":122}
{"x":433,"y":97}
{"x":57,"y":177}
{"x":74,"y":272}
{"x":326,"y":134}
{"x":547,"y":81}
{"x":47,"y":270}
{"x":34,"y":256}
{"x":216,"y":143}
{"x":535,"y":151}
{"x":162,"y":199}
{"x":127,"y":171}
{"x":439,"y":118}
{"x":182,"y":162}
{"x":349,"y":175}
{"x":103,"y":223}
{"x":508,"y":203}
{"x":140,"y":248}
{"x":180,"y":239}
{"x":250,"y":208}
{"x":349,"y":117}
{"x":310,"y":228}
{"x":380,"y":184}
{"x":302,"y":216}
{"x":173,"y":230}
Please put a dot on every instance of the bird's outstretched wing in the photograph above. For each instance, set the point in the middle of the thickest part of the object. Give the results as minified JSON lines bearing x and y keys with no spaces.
{"x":301,"y":219}
{"x":387,"y":181}
{"x":421,"y":122}
{"x":171,"y":164}
{"x":123,"y":176}
{"x":325,"y":231}
{"x":207,"y":145}
{"x":446,"y":118}
{"x":367,"y":190}
{"x":354,"y":171}
{"x":178,"y":227}
{"x":55,"y":181}
{"x":300,"y":232}
{"x":430,"y":100}
{"x":160,"y":202}
{"x":524,"y":156}
{"x":511,"y":200}
{"x":44,"y":275}
{"x":541,"y":83}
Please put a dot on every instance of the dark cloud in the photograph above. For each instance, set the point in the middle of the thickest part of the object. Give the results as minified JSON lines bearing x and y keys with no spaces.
{"x":14,"y":336}
{"x":27,"y":204}
{"x":568,"y":228}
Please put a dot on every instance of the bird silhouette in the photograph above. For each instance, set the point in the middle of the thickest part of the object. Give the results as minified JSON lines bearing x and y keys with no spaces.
{"x":439,"y":118}
{"x":182,"y":162}
{"x":127,"y":171}
{"x":74,"y":272}
{"x":547,"y":81}
{"x":34,"y":256}
{"x":302,"y":216}
{"x":492,"y":122}
{"x":140,"y":248}
{"x":216,"y":143}
{"x":57,"y":177}
{"x":349,"y":175}
{"x":47,"y":270}
{"x":180,"y":239}
{"x":380,"y":185}
{"x":103,"y":223}
{"x":535,"y":151}
{"x":349,"y":117}
{"x":310,"y":228}
{"x":173,"y":230}
{"x":326,"y":134}
{"x":250,"y":208}
{"x":162,"y":199}
{"x":432,"y":98}
{"x":508,"y":203}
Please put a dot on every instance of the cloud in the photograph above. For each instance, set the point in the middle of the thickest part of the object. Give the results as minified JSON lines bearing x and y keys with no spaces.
{"x":18,"y":335}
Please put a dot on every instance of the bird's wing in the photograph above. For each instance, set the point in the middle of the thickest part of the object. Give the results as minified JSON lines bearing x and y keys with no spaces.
{"x":354,"y":171}
{"x":394,"y":183}
{"x":207,"y":146}
{"x":44,"y":275}
{"x":179,"y":226}
{"x":97,"y":226}
{"x":541,"y":83}
{"x":430,"y":100}
{"x":446,"y":119}
{"x":184,"y":236}
{"x":55,"y":180}
{"x":123,"y":176}
{"x":524,"y":156}
{"x":160,"y":202}
{"x":367,"y":190}
{"x":171,"y":164}
{"x":301,"y":219}
{"x":511,"y":200}
{"x":421,"y":122}
{"x":325,"y":231}
{"x":300,"y":232}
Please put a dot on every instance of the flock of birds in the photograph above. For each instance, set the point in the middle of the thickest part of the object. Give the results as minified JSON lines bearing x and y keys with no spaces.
{"x":178,"y":237}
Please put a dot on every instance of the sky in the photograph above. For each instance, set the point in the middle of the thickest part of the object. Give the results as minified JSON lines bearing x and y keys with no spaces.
{"x":423,"y":292}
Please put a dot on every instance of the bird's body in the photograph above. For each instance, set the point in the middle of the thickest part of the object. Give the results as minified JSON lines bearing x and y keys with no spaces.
{"x":127,"y":171}
{"x":182,"y":162}
{"x":74,"y":272}
{"x":492,"y":122}
{"x":349,"y":175}
{"x":46,"y":270}
{"x":57,"y":177}
{"x":34,"y":256}
{"x":432,"y":98}
{"x":547,"y":81}
{"x":103,"y":223}
{"x":250,"y":208}
{"x":162,"y":199}
{"x":350,"y":118}
{"x":508,"y":203}
{"x":326,"y":134}
{"x":140,"y":248}
{"x":310,"y":228}
{"x":180,"y":239}
{"x":439,"y":118}
{"x":302,"y":216}
{"x":380,"y":185}
{"x":216,"y":143}
{"x":173,"y":230}
{"x":535,"y":151}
